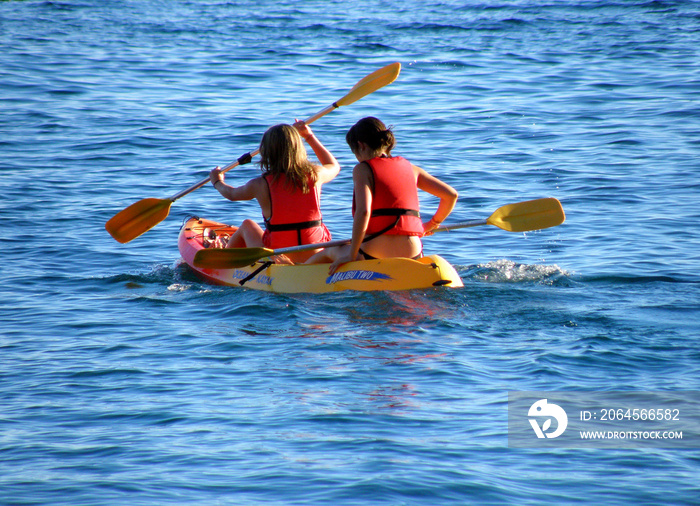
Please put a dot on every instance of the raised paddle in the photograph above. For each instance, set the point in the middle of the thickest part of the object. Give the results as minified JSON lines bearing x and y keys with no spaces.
{"x":145,"y":214}
{"x":521,"y":217}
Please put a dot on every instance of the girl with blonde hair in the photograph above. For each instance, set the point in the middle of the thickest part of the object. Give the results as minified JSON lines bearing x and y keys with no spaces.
{"x":288,"y":192}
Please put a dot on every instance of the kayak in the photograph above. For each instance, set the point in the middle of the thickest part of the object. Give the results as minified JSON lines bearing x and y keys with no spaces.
{"x":366,"y":275}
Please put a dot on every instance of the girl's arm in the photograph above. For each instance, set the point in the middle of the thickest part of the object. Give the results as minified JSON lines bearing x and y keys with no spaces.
{"x":363,"y":206}
{"x":447,"y":195}
{"x":249,"y":191}
{"x":329,"y":165}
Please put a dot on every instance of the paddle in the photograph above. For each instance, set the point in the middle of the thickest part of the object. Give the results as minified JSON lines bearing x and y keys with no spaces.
{"x":145,"y":214}
{"x":521,"y":217}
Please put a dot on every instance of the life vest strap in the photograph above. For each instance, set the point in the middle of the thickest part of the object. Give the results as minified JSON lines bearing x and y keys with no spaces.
{"x":286,"y":227}
{"x":390,"y":211}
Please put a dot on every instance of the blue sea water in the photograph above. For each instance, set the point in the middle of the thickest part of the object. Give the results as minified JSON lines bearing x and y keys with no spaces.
{"x":126,"y":380}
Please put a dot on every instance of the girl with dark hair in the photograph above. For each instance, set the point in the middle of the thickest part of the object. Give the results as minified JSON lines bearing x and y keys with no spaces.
{"x":288,"y":191}
{"x":386,"y":217}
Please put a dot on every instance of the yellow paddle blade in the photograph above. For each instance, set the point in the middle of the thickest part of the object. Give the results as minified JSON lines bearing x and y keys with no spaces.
{"x":138,"y":218}
{"x":371,"y":83}
{"x":528,"y":215}
{"x":229,"y":258}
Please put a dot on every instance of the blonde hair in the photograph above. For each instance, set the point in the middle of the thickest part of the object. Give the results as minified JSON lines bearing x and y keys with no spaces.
{"x":282,"y":151}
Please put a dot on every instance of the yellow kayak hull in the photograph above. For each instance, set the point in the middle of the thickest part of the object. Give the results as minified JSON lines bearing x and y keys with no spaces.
{"x":367,"y":275}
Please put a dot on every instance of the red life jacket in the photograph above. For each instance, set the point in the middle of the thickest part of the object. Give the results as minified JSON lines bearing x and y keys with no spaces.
{"x":296,"y":216}
{"x":395,"y":207}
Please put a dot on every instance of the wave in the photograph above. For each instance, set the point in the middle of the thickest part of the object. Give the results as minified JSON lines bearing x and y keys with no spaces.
{"x":508,"y":271}
{"x":176,"y":277}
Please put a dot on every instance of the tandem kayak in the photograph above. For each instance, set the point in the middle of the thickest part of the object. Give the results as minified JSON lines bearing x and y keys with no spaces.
{"x":367,"y":275}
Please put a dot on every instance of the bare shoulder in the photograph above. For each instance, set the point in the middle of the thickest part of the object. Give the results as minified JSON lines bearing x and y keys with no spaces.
{"x":258,"y":182}
{"x":253,"y":189}
{"x":418,"y":170}
{"x":362,"y":172}
{"x":362,"y":168}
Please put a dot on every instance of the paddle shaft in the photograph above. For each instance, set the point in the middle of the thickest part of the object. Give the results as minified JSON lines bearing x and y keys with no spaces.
{"x":238,"y":257}
{"x":464,"y":224}
{"x":342,"y":242}
{"x":365,"y":86}
{"x":251,"y":255}
{"x":306,"y":247}
{"x":248,"y":157}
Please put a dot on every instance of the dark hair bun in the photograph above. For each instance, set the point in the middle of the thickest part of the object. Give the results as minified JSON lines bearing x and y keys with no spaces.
{"x":372,"y":132}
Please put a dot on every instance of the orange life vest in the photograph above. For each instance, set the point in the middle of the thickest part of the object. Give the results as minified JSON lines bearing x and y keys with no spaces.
{"x":395,"y":206}
{"x":296,"y":216}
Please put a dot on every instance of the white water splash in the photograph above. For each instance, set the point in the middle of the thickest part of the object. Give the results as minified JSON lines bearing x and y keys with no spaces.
{"x":507,"y":271}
